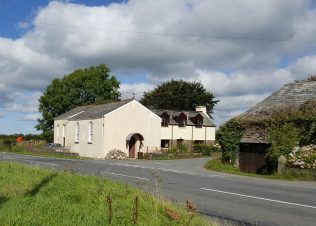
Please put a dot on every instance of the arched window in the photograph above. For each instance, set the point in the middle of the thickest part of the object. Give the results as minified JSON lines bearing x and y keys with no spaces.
{"x":90,"y":135}
{"x":57,"y":131}
{"x":77,"y":132}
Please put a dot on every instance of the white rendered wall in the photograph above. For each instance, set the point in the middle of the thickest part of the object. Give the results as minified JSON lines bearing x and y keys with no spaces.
{"x":92,"y":149}
{"x":132,"y":118}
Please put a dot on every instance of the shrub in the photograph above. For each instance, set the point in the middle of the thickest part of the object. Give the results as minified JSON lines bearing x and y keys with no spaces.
{"x":303,"y":158}
{"x":309,"y":134}
{"x":182,"y":148}
{"x":202,"y":148}
{"x":228,"y":136}
{"x":206,"y":149}
{"x":283,"y":139}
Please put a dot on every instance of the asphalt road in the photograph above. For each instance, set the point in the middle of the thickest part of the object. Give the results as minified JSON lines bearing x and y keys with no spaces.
{"x":242,"y":200}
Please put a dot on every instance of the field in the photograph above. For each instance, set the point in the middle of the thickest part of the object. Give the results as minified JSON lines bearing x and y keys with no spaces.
{"x":33,"y":196}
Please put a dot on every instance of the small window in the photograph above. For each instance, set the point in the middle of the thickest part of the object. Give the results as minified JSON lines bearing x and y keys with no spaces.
{"x":199,"y":142}
{"x":165,"y":143}
{"x":77,"y":132}
{"x":179,"y":142}
{"x":199,"y":123}
{"x":182,"y":123}
{"x":165,"y":122}
{"x":90,"y":135}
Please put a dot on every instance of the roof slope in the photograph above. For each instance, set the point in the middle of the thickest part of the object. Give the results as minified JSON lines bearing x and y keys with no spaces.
{"x":97,"y":111}
{"x":290,"y":95}
{"x":92,"y":111}
{"x":206,"y":119}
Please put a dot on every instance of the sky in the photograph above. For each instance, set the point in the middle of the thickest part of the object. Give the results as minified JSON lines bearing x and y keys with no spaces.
{"x":240,"y":50}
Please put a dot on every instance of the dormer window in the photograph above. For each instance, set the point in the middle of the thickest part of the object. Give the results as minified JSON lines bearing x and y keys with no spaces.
{"x":182,"y":120}
{"x":199,"y":123}
{"x":165,"y":119}
{"x":198,"y":120}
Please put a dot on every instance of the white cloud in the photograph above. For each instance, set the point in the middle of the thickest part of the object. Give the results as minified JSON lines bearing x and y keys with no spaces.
{"x":214,"y":42}
{"x":31,"y":117}
{"x":23,"y":103}
{"x":1,"y":114}
{"x":303,"y":67}
{"x":127,"y":90}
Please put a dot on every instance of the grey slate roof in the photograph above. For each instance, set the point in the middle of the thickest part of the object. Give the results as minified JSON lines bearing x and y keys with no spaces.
{"x":206,"y":120}
{"x":97,"y":111}
{"x":290,"y":95}
{"x":92,"y":111}
{"x":293,"y":94}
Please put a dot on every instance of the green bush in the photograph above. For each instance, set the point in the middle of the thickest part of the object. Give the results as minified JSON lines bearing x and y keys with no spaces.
{"x":17,"y":148}
{"x":283,"y":139}
{"x":228,"y":136}
{"x":309,"y":134}
{"x":182,"y":148}
{"x":206,"y":149}
{"x":7,"y":144}
{"x":202,"y":148}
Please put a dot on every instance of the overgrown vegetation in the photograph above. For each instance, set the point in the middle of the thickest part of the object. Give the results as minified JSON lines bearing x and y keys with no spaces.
{"x":283,"y":139}
{"x":32,"y":196}
{"x":228,"y":136}
{"x":284,"y":128}
{"x":288,"y":173}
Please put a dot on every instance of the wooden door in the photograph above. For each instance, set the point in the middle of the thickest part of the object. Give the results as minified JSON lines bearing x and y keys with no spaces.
{"x":132,"y":142}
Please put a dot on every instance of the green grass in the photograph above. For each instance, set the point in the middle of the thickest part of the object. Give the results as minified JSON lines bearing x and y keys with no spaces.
{"x":33,"y":196}
{"x":52,"y":155}
{"x":289,"y":174}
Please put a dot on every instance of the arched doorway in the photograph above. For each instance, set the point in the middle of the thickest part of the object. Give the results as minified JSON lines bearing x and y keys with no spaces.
{"x":135,"y":143}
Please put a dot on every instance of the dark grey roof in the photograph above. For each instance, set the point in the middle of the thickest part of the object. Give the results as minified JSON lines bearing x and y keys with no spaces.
{"x":206,"y":119}
{"x":293,"y":94}
{"x":92,"y":111}
{"x":71,"y":112}
{"x":97,"y":111}
{"x":290,"y":95}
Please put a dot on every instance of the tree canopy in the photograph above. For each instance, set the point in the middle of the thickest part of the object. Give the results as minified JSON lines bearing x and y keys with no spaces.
{"x":92,"y":85}
{"x":179,"y":95}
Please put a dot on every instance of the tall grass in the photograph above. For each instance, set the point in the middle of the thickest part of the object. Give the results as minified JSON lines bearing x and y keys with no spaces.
{"x":33,"y":196}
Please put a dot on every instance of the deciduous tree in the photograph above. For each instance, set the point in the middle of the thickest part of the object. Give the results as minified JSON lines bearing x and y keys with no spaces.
{"x":92,"y":85}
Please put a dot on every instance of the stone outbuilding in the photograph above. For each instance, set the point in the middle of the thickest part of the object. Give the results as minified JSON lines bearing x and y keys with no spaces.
{"x":254,"y":143}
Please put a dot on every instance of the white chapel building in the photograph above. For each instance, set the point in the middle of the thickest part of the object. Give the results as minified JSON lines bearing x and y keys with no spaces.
{"x":94,"y":130}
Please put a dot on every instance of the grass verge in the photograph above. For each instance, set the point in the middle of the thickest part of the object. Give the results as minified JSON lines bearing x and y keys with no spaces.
{"x":33,"y":196}
{"x":289,"y":173}
{"x":53,"y":154}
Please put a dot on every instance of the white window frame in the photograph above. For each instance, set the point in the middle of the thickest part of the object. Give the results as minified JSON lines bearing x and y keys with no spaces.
{"x":90,"y":132}
{"x":64,"y":130}
{"x":77,"y":132}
